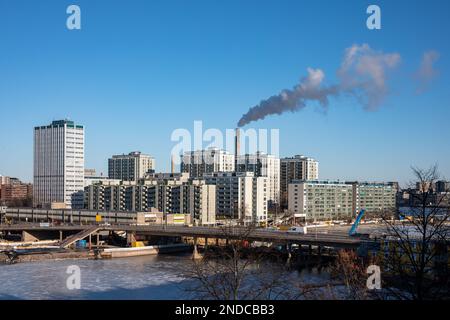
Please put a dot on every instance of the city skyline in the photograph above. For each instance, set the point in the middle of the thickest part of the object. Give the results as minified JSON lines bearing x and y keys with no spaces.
{"x":132,"y":82}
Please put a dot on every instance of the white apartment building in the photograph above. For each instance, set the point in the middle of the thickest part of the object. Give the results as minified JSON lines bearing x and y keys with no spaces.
{"x":201,"y":201}
{"x":321,"y":200}
{"x":375,"y":198}
{"x":130,"y":167}
{"x":263,"y":165}
{"x":241,"y":196}
{"x":296,"y":168}
{"x":198,"y":163}
{"x":59,"y":164}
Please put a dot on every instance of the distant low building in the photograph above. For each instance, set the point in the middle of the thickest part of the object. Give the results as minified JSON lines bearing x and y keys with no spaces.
{"x":16,"y":193}
{"x":443,"y":186}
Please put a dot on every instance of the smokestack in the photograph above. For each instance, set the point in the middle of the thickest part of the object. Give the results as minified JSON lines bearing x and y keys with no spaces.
{"x":237,"y":146}
{"x":172,"y":165}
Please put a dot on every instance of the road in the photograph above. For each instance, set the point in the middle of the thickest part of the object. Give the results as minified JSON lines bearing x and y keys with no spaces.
{"x":323,"y":237}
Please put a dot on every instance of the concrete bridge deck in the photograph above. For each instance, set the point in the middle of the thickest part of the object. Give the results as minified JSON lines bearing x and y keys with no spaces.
{"x":329,"y":239}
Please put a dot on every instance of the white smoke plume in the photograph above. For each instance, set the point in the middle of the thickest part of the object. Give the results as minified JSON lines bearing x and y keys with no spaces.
{"x":362,"y":74}
{"x":309,"y":89}
{"x":426,"y":72}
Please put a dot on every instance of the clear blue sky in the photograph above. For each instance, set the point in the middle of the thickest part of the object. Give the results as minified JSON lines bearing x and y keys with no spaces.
{"x":137,"y":70}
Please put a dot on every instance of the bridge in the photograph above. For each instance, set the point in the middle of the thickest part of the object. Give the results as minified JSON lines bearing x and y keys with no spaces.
{"x":78,"y":232}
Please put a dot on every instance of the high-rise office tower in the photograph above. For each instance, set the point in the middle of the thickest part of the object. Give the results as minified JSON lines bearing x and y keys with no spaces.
{"x":59,"y":164}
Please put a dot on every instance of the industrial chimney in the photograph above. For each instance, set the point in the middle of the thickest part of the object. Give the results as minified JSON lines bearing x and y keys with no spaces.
{"x":237,"y":147}
{"x":172,"y":164}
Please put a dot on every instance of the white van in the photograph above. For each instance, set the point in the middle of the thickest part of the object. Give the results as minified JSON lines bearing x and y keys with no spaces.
{"x":302,"y":230}
{"x":3,"y":209}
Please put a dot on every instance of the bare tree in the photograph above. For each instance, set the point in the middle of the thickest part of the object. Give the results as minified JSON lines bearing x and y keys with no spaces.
{"x":349,"y":277}
{"x":238,"y":272}
{"x":222,"y":272}
{"x":417,"y":242}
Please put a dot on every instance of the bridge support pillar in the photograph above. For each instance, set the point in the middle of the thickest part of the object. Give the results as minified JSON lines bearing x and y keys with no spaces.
{"x":28,"y":237}
{"x":131,"y":237}
{"x":61,"y":235}
{"x":98,"y":239}
{"x":217,"y":242}
{"x":195,"y":254}
{"x":90,"y":241}
{"x":206,"y":243}
{"x":289,"y":252}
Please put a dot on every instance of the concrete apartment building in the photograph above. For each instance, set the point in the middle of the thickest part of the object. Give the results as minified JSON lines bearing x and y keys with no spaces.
{"x":263,"y":165}
{"x":320,"y":200}
{"x":240,"y":196}
{"x":198,"y":163}
{"x":59,"y":164}
{"x":170,"y":195}
{"x":296,"y":168}
{"x":335,"y":200}
{"x":375,"y":198}
{"x":130,"y":167}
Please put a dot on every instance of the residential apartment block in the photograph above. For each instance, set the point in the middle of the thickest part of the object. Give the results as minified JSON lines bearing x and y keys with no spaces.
{"x":320,"y":200}
{"x":296,"y":168}
{"x":130,"y":167}
{"x":168,"y":195}
{"x":336,"y":200}
{"x":241,"y":196}
{"x":375,"y":198}
{"x":198,"y":163}
{"x":263,"y":165}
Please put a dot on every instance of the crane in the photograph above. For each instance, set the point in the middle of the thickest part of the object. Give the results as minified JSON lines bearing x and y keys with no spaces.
{"x":352,"y":232}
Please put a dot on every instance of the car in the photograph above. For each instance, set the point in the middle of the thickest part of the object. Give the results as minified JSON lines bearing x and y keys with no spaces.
{"x":301,"y":230}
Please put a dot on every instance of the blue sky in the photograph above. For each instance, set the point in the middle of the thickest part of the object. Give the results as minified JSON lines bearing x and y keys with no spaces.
{"x":137,"y":70}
